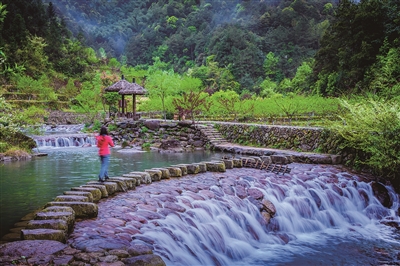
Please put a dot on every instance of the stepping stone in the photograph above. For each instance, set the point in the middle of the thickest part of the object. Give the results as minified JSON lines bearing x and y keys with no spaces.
{"x":174,"y":171}
{"x":102,"y":188}
{"x":154,"y":174}
{"x":71,"y":198}
{"x":129,"y":182}
{"x":44,"y":234}
{"x":80,"y":193}
{"x":82,"y":209}
{"x":165,"y":173}
{"x":96,"y":193}
{"x":56,"y":224}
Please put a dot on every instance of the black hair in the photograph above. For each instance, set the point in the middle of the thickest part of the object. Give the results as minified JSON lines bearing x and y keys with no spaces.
{"x":103,"y":131}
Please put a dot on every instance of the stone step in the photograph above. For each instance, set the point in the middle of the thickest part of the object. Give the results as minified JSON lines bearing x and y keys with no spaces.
{"x":55,"y":224}
{"x":44,"y":234}
{"x":82,"y":209}
{"x":96,"y":193}
{"x":80,"y":193}
{"x":102,"y":188}
{"x":71,"y":198}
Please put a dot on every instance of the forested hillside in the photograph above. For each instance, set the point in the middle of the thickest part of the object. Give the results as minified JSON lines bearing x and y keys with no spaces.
{"x":239,"y":34}
{"x":239,"y":60}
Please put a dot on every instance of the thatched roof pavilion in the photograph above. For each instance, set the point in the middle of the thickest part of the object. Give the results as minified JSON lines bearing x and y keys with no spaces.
{"x":124,"y":87}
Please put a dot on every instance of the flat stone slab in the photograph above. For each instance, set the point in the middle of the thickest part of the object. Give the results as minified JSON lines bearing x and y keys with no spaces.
{"x":82,"y":209}
{"x":154,"y":174}
{"x":174,"y":171}
{"x":129,"y":182}
{"x":44,"y":234}
{"x":29,"y":248}
{"x":71,"y":198}
{"x":56,"y":224}
{"x":102,"y":188}
{"x":96,"y":193}
{"x":80,"y":193}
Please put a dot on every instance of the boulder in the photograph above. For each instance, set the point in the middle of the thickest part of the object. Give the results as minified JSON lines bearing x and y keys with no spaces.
{"x":141,"y":260}
{"x":382,"y":194}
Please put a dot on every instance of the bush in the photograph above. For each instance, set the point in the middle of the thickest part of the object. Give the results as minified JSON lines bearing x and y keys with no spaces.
{"x":373,"y":129}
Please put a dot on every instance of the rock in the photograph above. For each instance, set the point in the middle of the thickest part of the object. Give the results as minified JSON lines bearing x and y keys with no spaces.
{"x":96,"y":193}
{"x":102,"y":188}
{"x":82,"y":209}
{"x":382,"y":194}
{"x":144,"y":260}
{"x":71,"y":198}
{"x":80,"y":193}
{"x":152,"y":124}
{"x":269,"y":207}
{"x":183,"y":168}
{"x":228,"y":163}
{"x":56,"y":224}
{"x":145,"y":178}
{"x":165,"y":173}
{"x":44,"y":234}
{"x":30,"y":248}
{"x":155,"y":174}
{"x":215,"y":166}
{"x":175,"y":171}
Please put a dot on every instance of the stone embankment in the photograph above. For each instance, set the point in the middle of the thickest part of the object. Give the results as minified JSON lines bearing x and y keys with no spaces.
{"x":178,"y":136}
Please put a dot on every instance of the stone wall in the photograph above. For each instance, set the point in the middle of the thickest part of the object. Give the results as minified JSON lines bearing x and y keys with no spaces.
{"x":174,"y":136}
{"x":69,"y":118}
{"x":305,"y":139}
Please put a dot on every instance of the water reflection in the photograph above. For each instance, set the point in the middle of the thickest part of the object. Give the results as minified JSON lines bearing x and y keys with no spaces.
{"x":27,"y":185}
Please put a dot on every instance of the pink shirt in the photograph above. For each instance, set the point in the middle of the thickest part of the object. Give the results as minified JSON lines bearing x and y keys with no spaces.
{"x":103,"y":143}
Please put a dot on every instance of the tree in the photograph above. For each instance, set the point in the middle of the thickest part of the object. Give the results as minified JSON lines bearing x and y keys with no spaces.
{"x":192,"y":103}
{"x":161,"y":84}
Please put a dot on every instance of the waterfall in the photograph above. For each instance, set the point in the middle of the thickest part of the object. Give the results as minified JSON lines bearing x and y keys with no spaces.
{"x":65,"y":140}
{"x":316,"y":213}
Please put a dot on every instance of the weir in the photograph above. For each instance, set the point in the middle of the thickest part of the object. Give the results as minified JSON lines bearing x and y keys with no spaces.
{"x":317,"y":215}
{"x":65,"y":140}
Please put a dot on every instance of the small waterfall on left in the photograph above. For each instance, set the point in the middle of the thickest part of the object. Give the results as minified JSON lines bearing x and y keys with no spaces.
{"x":64,"y":136}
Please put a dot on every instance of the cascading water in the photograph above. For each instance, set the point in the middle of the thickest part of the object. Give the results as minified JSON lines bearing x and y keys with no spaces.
{"x":64,"y":136}
{"x":73,"y":140}
{"x":322,"y":218}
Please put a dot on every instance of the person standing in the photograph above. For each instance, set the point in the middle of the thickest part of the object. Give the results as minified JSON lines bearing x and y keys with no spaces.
{"x":104,"y":142}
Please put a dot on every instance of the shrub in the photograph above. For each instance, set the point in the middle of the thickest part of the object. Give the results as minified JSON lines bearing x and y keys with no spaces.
{"x":373,"y":129}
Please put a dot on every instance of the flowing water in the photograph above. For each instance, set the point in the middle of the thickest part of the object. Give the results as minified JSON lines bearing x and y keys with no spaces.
{"x":325,"y":215}
{"x":326,"y":218}
{"x":26,"y":186}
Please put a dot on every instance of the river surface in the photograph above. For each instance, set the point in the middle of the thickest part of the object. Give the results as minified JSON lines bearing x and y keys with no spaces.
{"x":26,"y":186}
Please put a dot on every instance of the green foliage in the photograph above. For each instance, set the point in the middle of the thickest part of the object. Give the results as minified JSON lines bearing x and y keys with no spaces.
{"x":191,"y":103}
{"x":373,"y":127}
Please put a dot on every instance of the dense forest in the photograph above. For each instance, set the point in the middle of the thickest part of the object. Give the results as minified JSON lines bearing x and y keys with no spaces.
{"x":242,"y":59}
